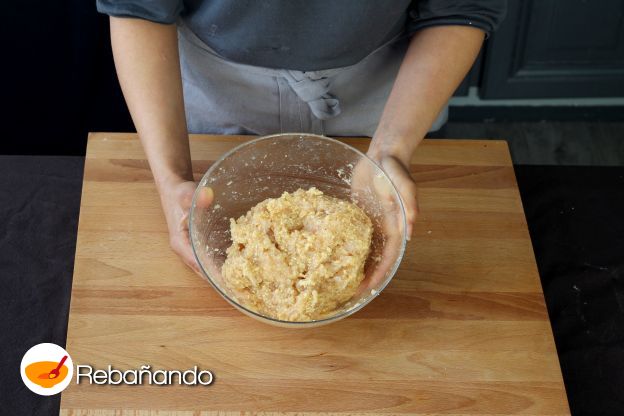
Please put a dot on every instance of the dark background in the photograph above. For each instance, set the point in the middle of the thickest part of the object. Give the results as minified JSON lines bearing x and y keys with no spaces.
{"x":59,"y":83}
{"x":58,"y":77}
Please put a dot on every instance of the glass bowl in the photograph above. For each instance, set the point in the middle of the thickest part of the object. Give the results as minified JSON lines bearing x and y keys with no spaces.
{"x":268,"y":166}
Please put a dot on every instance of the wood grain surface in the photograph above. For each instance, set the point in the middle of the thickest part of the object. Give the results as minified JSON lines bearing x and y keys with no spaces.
{"x":461,"y":330}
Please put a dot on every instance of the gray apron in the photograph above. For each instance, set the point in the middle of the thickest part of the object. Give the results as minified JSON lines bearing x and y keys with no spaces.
{"x":224,"y":97}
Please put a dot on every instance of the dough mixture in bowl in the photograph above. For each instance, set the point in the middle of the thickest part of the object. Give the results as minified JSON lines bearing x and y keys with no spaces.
{"x":297,"y":257}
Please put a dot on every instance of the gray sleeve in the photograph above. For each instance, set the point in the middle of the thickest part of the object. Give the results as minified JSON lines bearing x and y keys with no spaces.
{"x":159,"y":11}
{"x":483,"y":14}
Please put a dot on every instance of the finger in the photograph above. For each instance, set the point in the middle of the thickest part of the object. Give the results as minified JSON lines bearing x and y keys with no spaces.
{"x":189,"y":255}
{"x":407,"y":189}
{"x":183,"y":223}
{"x":367,"y":177}
{"x":380,"y":270}
{"x":383,"y":190}
{"x":205,"y":196}
{"x":181,"y":246}
{"x":361,"y":177}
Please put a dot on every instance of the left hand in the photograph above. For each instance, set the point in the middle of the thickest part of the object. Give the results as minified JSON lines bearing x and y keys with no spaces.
{"x":398,"y":172}
{"x":364,"y":179}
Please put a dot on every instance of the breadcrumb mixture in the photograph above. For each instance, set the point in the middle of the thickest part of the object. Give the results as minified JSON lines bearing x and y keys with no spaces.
{"x":298,"y":257}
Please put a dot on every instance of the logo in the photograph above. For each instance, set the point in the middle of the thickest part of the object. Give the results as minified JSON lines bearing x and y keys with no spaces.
{"x":47,"y":369}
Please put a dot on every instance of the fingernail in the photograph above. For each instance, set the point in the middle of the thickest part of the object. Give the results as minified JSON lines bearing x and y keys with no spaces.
{"x":207,"y":196}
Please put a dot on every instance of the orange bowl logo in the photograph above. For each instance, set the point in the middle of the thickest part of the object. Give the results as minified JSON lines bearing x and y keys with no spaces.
{"x":46,"y":369}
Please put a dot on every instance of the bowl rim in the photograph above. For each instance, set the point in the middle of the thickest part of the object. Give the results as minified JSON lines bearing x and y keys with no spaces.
{"x":314,"y":322}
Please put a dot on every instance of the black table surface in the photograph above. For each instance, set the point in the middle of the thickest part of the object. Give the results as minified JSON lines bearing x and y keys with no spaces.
{"x":576,"y":221}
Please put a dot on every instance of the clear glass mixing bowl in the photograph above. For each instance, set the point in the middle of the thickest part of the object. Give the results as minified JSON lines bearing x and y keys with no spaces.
{"x":269,"y":166}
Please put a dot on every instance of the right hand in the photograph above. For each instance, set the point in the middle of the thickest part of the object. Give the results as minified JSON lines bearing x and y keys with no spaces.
{"x":176,"y":199}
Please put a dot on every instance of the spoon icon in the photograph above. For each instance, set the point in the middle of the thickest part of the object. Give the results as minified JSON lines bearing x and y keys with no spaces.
{"x":54,"y":373}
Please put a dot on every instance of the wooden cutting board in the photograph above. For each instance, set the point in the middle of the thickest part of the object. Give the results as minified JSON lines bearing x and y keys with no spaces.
{"x":462,"y":329}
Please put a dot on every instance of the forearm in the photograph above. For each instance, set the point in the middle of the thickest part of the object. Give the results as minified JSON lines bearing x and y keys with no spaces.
{"x":148,"y":67}
{"x":436,"y":61}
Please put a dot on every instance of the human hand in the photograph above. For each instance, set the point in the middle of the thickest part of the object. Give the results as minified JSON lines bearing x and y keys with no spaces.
{"x":398,"y":172}
{"x":176,"y":199}
{"x":372,"y":189}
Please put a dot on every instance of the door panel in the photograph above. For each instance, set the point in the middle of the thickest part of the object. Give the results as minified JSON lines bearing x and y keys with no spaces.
{"x":557,"y":48}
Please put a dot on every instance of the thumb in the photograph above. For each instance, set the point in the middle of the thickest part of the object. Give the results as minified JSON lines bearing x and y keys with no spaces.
{"x":205,"y":196}
{"x":407,"y":189}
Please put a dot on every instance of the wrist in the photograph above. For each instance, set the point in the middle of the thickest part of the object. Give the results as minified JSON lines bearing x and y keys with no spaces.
{"x":169,"y":180}
{"x":169,"y":157}
{"x":400,"y":149}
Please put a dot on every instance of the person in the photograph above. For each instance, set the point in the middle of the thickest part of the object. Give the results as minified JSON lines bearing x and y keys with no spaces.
{"x":383,"y":69}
